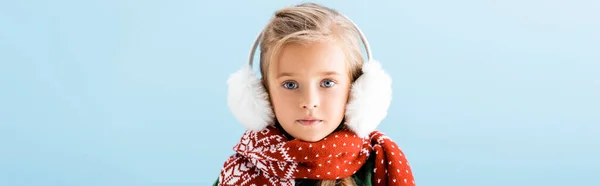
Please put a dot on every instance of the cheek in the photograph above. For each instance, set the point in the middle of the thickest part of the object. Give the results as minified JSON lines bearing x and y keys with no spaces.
{"x":281,"y":100}
{"x":276,"y":97}
{"x":336,"y":100}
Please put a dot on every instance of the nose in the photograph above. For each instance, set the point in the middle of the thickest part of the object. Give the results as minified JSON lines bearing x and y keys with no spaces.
{"x":308,"y":106}
{"x":310,"y":99}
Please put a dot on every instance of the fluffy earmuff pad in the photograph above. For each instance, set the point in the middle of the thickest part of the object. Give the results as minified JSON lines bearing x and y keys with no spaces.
{"x":370,"y":98}
{"x":248,"y":100}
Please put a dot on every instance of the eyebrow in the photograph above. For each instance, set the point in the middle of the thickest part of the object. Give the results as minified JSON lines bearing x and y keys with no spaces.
{"x":326,"y":73}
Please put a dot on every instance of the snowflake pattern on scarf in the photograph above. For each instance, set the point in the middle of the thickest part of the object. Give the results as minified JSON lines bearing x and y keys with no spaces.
{"x":267,"y":157}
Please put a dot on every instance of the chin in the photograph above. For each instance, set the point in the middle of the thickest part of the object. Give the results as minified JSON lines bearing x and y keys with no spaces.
{"x":310,"y":133}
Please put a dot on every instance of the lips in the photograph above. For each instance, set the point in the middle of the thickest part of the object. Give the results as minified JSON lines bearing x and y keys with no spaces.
{"x":309,"y":121}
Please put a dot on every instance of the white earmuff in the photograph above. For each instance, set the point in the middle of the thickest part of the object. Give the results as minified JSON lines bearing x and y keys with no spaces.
{"x":370,"y":95}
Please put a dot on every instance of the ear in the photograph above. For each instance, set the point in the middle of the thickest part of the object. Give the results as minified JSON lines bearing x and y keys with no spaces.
{"x":248,"y":100}
{"x":370,"y":98}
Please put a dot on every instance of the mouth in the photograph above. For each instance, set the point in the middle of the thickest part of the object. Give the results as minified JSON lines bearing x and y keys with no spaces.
{"x":309,"y":121}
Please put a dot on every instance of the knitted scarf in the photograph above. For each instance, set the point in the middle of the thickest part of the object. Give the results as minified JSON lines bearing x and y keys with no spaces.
{"x":267,"y":157}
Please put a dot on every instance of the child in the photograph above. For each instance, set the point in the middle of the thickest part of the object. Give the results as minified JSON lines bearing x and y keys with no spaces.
{"x":311,"y":118}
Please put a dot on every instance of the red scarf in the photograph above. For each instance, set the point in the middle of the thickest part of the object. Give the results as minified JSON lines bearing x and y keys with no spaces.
{"x":268,"y":158}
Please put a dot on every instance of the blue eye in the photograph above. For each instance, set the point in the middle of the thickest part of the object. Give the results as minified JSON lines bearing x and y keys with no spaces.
{"x":290,"y":85}
{"x":327,"y":83}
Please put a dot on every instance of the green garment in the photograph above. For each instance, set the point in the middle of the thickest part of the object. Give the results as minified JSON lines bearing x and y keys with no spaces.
{"x":362,"y":177}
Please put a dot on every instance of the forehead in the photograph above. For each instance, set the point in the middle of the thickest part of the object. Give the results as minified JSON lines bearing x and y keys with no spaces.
{"x":314,"y":57}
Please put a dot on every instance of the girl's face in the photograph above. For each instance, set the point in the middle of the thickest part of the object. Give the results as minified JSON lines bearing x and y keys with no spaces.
{"x":309,"y":87}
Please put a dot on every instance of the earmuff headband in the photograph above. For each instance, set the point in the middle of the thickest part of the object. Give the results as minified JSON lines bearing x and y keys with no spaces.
{"x":363,"y":38}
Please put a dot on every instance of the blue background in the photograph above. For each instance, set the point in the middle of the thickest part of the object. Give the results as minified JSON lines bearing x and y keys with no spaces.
{"x":133,"y":93}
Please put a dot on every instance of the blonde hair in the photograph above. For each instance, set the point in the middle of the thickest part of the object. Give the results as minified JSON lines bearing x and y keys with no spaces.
{"x":305,"y":23}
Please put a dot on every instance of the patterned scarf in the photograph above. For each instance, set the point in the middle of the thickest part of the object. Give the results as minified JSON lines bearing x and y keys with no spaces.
{"x":267,"y":157}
